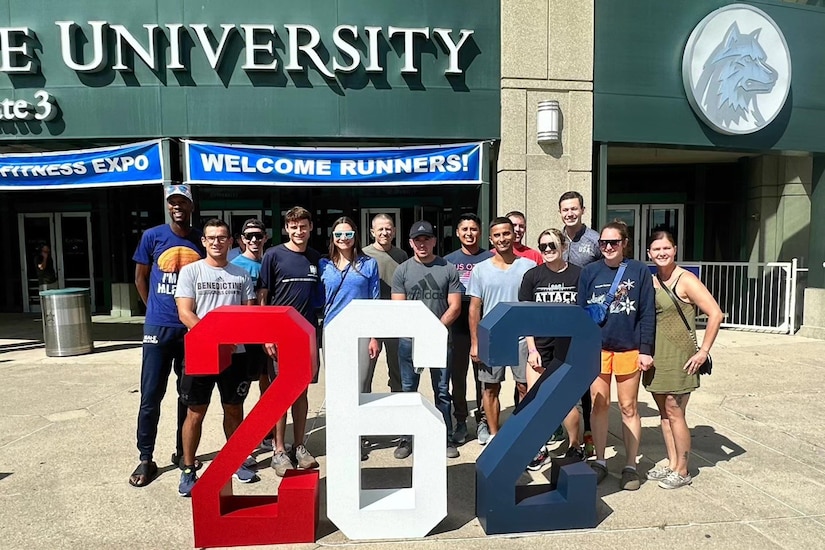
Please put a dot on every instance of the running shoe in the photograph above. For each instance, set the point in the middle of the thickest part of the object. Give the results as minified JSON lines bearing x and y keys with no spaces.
{"x":658,"y":474}
{"x":541,"y":459}
{"x":246,"y":475}
{"x":483,"y":432}
{"x":674,"y":480}
{"x":303,"y":459}
{"x":188,"y":477}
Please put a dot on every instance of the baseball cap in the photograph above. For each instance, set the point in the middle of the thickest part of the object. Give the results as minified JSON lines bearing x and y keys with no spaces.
{"x":421,"y":228}
{"x":253,"y":223}
{"x":178,"y":189}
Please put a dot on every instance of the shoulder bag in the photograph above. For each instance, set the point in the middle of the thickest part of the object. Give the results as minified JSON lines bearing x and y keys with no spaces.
{"x":598,"y":312}
{"x":707,"y":366}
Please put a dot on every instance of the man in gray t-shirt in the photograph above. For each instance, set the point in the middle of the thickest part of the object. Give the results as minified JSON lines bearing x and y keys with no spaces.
{"x":203,"y":286}
{"x":434,"y":281}
{"x":389,"y":257}
{"x":493,"y":281}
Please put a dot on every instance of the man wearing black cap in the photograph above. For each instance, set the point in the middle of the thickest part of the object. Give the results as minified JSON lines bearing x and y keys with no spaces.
{"x":161,"y":254}
{"x":253,"y":236}
{"x":434,"y":281}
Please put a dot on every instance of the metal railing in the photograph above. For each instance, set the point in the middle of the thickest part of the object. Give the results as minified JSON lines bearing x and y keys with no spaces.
{"x":758,"y":296}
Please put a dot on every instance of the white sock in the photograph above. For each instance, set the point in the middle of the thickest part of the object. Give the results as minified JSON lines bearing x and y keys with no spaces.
{"x":631,"y":468}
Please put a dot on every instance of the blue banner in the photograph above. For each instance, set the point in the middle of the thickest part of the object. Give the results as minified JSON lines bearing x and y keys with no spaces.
{"x":437,"y":164}
{"x":132,"y":164}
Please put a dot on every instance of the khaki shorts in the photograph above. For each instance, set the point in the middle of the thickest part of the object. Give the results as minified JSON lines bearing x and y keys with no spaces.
{"x":620,"y":363}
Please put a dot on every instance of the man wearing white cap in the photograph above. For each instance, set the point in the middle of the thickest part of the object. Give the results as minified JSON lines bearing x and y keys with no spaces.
{"x":161,"y":254}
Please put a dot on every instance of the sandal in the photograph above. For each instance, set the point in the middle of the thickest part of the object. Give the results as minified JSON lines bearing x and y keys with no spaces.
{"x":143,"y":474}
{"x":175,"y":459}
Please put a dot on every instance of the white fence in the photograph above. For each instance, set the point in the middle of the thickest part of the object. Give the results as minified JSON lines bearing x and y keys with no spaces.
{"x":755,"y":296}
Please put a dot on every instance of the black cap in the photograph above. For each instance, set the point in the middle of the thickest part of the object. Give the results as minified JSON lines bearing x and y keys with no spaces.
{"x":253,"y":223}
{"x":422,"y":228}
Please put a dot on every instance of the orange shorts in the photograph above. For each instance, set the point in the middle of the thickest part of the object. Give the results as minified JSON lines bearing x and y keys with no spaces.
{"x":620,"y":362}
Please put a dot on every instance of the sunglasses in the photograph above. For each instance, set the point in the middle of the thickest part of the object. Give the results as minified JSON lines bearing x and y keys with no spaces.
{"x":544,"y":247}
{"x":253,"y":236}
{"x":343,"y":234}
{"x":603,"y":243}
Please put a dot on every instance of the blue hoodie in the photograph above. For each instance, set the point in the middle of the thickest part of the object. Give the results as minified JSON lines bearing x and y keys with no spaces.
{"x":631,"y":319}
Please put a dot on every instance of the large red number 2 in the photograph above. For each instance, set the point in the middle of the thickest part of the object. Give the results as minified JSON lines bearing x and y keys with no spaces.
{"x":219,"y":517}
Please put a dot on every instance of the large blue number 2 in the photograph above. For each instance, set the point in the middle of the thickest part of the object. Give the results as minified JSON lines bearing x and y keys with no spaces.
{"x":573,"y":503}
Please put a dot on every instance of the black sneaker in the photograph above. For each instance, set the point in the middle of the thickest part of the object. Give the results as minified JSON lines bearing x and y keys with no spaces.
{"x":574,"y":452}
{"x":403,"y":450}
{"x":541,"y":459}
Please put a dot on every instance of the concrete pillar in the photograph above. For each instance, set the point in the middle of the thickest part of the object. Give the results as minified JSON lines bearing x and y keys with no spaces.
{"x":813,"y":314}
{"x":547,"y":53}
{"x":778,"y":208}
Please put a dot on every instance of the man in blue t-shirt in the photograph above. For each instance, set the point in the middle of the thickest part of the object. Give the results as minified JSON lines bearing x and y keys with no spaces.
{"x":253,"y":236}
{"x":464,"y":259}
{"x":161,"y":254}
{"x":289,"y":277}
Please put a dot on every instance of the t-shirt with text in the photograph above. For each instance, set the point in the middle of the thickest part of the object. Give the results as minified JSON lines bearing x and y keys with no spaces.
{"x":430,"y":283}
{"x":292,"y":279}
{"x":167,"y":253}
{"x":543,"y":285}
{"x":465,"y":263}
{"x":212,"y":287}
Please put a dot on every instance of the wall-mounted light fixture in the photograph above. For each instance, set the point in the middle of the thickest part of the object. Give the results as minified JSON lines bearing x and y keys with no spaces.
{"x":547,"y":122}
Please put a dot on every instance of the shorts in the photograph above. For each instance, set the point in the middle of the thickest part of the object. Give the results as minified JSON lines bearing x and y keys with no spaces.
{"x":233,"y":385}
{"x":257,"y":361}
{"x":620,"y":363}
{"x":495,"y":375}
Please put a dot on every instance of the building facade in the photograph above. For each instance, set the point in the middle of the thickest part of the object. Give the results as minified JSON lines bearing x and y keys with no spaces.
{"x":733,"y":170}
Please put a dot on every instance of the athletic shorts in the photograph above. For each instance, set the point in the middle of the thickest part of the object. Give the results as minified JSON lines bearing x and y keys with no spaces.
{"x":620,"y":363}
{"x":495,"y":375}
{"x":257,"y":361}
{"x":233,"y":385}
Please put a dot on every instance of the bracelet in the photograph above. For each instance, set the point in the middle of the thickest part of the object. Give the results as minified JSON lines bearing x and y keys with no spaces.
{"x":534,"y":350}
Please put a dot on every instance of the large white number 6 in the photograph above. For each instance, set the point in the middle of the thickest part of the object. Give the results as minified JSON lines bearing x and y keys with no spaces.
{"x":383,"y":513}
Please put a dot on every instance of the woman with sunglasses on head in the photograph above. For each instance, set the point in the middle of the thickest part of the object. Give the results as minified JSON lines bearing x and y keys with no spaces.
{"x":555,"y":281}
{"x":675,"y":373}
{"x":624,"y":288}
{"x":348,"y":275}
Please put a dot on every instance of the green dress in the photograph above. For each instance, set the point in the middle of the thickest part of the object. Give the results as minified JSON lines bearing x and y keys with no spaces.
{"x":674,"y":346}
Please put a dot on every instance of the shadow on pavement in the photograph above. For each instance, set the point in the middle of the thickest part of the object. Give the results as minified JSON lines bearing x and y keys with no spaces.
{"x":4,"y":475}
{"x":116,"y":347}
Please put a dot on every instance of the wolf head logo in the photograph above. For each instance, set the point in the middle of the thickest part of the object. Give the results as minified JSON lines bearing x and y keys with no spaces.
{"x":732,"y":78}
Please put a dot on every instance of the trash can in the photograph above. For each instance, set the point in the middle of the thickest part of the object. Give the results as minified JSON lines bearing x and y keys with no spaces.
{"x":67,"y":321}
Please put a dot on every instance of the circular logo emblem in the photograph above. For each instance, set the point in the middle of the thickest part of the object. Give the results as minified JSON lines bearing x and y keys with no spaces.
{"x":737,"y":69}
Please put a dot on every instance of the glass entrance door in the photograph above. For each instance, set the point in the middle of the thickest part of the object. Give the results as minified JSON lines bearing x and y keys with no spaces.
{"x":69,"y":236}
{"x":629,"y":214}
{"x":644,"y":219}
{"x":666,"y":217}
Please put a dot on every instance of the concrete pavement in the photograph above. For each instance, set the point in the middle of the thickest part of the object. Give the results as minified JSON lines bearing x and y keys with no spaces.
{"x":67,"y":448}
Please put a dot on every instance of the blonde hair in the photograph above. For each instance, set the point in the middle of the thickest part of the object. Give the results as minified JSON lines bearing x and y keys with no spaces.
{"x":556,"y":237}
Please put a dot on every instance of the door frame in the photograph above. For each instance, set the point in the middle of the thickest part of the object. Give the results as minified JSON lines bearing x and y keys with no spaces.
{"x":56,"y":243}
{"x":366,"y":223}
{"x":640,"y":219}
{"x":680,"y":230}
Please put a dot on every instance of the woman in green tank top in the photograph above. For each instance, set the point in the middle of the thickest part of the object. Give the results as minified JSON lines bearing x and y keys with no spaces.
{"x":676,"y":360}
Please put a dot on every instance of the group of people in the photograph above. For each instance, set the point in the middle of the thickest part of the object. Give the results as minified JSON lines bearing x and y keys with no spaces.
{"x":183,"y":273}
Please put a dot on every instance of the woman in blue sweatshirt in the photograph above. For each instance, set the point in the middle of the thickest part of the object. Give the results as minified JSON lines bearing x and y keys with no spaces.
{"x":628,"y":336}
